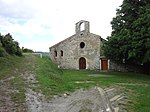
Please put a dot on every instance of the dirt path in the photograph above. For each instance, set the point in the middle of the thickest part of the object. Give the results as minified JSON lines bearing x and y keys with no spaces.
{"x":7,"y":104}
{"x":13,"y":85}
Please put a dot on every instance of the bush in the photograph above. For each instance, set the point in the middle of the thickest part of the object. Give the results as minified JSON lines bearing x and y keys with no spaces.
{"x":8,"y":45}
{"x":2,"y":52}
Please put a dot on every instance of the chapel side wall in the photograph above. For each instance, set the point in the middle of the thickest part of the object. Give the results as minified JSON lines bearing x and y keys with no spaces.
{"x":68,"y":58}
{"x":68,"y":47}
{"x":51,"y":54}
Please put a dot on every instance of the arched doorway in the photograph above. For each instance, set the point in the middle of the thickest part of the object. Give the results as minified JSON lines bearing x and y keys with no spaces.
{"x":82,"y":63}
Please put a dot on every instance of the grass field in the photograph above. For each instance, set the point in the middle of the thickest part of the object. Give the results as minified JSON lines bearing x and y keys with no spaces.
{"x":54,"y":81}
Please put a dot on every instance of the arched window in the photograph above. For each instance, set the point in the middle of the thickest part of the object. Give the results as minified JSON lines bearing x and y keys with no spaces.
{"x":55,"y":53}
{"x":61,"y":53}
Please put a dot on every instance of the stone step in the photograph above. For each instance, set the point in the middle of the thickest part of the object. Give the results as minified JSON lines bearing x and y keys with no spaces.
{"x":109,"y":89}
{"x":115,"y":98}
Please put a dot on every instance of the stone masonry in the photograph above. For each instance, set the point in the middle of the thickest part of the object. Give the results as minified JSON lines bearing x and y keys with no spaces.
{"x":80,"y":51}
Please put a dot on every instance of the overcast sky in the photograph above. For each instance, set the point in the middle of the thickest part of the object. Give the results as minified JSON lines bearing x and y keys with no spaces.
{"x":39,"y":24}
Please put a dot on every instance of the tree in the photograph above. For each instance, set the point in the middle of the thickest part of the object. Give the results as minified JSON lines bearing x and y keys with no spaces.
{"x":9,"y":45}
{"x":18,"y":51}
{"x":130,"y":38}
{"x":2,"y":50}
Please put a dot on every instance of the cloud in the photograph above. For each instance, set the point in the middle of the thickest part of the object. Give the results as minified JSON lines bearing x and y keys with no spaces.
{"x":39,"y":24}
{"x":15,"y":9}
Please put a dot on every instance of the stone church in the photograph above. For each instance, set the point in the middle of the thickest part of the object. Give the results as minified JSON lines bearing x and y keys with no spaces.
{"x":80,"y":51}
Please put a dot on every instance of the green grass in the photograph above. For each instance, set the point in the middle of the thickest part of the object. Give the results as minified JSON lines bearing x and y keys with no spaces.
{"x":56,"y":81}
{"x":7,"y":65}
{"x":49,"y":76}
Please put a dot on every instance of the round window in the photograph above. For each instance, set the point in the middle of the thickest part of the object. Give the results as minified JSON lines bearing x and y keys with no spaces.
{"x":82,"y":45}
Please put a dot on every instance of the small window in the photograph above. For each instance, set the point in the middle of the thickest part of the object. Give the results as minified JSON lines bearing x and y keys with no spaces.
{"x":61,"y":53}
{"x":82,"y":45}
{"x":55,"y":53}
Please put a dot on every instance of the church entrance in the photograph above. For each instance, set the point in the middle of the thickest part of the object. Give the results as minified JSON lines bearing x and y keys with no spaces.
{"x":82,"y":63}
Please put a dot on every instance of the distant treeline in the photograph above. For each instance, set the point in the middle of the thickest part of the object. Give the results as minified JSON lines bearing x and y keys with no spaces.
{"x":8,"y":46}
{"x":26,"y":50}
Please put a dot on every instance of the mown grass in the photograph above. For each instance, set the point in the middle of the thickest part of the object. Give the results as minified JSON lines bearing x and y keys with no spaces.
{"x":56,"y":81}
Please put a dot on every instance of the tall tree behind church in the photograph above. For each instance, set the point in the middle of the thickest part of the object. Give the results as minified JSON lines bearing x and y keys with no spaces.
{"x":130,"y":38}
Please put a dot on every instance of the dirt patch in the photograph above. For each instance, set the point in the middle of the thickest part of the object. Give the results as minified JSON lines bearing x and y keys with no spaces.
{"x":34,"y":101}
{"x":79,"y":82}
{"x":6,"y":94}
{"x":94,"y":99}
{"x":6,"y":104}
{"x":100,"y":75}
{"x":132,"y":84}
{"x":90,"y":100}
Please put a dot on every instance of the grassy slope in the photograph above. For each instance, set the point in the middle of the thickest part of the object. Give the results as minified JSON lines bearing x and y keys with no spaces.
{"x":49,"y":76}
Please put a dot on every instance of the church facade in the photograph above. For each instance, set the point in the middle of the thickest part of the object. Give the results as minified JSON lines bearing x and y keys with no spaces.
{"x":80,"y":51}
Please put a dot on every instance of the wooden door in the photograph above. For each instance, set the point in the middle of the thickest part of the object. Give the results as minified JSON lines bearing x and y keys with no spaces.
{"x":104,"y":64}
{"x":82,"y":63}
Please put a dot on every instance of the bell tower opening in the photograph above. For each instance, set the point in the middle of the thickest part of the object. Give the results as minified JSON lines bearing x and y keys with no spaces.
{"x":82,"y":26}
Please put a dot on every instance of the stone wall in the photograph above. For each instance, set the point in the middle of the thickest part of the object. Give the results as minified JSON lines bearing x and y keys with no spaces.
{"x":125,"y":67}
